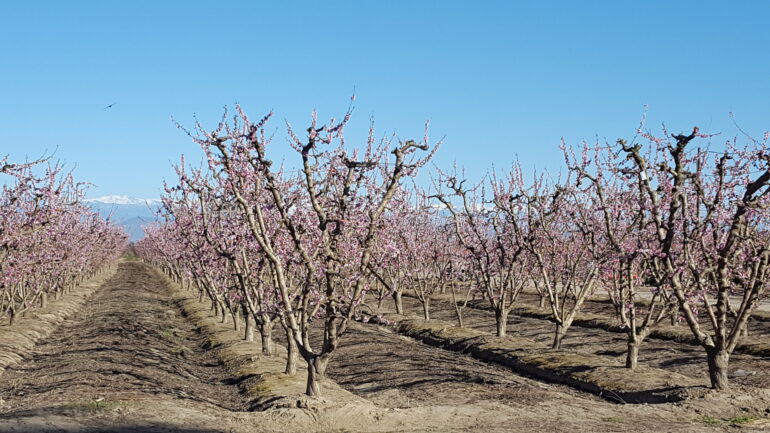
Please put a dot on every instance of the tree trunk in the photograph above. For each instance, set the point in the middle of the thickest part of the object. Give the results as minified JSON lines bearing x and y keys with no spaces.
{"x":236,"y":321}
{"x":745,"y":329}
{"x":717,"y":362}
{"x":501,"y":323}
{"x":224,"y":314}
{"x":459,"y":316}
{"x":426,"y":309}
{"x":249,"y":332}
{"x":561,"y":331}
{"x":316,"y":372}
{"x":632,"y":354}
{"x":292,"y":356}
{"x":43,"y":300}
{"x":399,"y":302}
{"x":541,"y":304}
{"x":266,"y":332}
{"x":292,"y":353}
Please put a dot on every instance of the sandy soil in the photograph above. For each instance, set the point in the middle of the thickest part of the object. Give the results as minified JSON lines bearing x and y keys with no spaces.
{"x":131,"y":362}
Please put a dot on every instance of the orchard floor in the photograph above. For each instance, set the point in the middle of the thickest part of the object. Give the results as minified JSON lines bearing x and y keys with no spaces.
{"x":686,"y":359}
{"x":131,"y":362}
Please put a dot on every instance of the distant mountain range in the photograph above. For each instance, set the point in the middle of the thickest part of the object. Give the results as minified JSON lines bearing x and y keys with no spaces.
{"x":123,"y":200}
{"x":131,"y":213}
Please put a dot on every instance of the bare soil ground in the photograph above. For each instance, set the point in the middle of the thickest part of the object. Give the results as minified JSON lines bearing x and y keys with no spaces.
{"x":395,"y":371}
{"x":129,"y":343}
{"x":131,"y":362}
{"x":689,"y":360}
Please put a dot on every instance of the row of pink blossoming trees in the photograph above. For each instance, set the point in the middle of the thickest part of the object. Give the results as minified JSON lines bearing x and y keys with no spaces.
{"x":668,"y":229}
{"x":49,"y":241}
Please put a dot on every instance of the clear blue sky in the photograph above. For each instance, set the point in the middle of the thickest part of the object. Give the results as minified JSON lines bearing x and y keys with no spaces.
{"x":499,"y":79}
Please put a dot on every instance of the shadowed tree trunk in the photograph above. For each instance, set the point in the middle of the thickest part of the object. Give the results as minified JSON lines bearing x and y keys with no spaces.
{"x":558,"y":337}
{"x":717,"y":362}
{"x":397,"y":298}
{"x":292,"y":354}
{"x":266,"y":335}
{"x":236,"y":320}
{"x":632,"y":354}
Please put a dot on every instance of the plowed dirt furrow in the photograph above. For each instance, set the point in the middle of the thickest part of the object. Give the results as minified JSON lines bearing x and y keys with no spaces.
{"x":680,"y":358}
{"x":130,"y":342}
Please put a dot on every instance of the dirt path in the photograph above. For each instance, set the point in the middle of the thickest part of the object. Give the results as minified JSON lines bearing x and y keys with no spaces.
{"x":131,"y":343}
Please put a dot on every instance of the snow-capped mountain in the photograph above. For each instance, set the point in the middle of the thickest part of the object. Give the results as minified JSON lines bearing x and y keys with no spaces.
{"x":129,"y":212}
{"x":123,"y":200}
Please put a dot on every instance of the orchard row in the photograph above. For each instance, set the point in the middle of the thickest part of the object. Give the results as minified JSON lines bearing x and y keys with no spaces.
{"x":667,"y":228}
{"x":49,"y":241}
